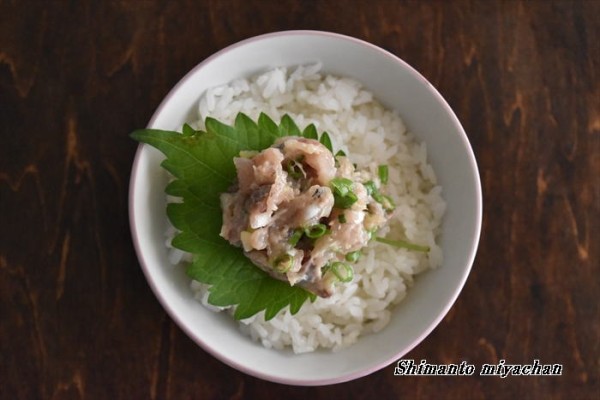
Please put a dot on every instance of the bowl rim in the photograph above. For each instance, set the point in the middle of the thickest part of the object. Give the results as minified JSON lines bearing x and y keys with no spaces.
{"x":395,"y":356}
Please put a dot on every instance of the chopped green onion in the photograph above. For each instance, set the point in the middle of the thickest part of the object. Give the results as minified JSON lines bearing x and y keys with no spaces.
{"x":403,"y":244}
{"x":341,"y":186}
{"x":353,"y":256}
{"x":388,"y":203}
{"x":294,"y":170}
{"x":284,"y":263}
{"x":342,"y":218}
{"x":345,"y":201}
{"x":295,"y":237}
{"x":370,"y":186}
{"x":316,"y":231}
{"x":370,"y":233}
{"x":326,"y":141}
{"x":385,"y":201}
{"x":342,"y":271}
{"x":342,"y":192}
{"x":383,"y":173}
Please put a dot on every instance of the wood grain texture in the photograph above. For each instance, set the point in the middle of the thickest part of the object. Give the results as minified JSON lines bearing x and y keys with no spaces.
{"x":78,"y":319}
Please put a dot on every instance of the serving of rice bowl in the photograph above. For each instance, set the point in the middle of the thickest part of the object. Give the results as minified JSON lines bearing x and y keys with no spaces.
{"x":340,"y":337}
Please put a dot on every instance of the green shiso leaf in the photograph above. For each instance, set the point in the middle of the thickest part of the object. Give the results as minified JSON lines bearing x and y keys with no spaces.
{"x":202,"y":166}
{"x":187,"y":130}
{"x":326,"y":141}
{"x":287,"y":127}
{"x":267,"y":125}
{"x":310,"y":132}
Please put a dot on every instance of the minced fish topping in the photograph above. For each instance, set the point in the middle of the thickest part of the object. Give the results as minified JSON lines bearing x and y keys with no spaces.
{"x":302,"y":214}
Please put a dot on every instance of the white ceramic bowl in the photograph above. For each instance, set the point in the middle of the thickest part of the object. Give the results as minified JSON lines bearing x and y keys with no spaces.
{"x":396,"y":85}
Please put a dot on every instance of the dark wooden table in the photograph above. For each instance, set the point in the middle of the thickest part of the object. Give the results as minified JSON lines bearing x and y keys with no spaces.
{"x":77,"y":318}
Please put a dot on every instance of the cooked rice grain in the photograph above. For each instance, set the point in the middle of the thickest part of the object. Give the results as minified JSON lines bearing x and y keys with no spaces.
{"x":371,"y":135}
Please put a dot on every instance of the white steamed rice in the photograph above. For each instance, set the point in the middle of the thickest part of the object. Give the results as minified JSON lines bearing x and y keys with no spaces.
{"x":370,"y":135}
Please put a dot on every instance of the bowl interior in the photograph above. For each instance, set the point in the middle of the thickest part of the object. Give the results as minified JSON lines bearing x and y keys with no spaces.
{"x":424,"y":112}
